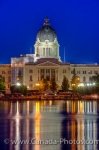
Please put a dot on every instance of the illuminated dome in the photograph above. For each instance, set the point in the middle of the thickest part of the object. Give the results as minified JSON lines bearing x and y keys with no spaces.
{"x":46,"y":32}
{"x":46,"y":44}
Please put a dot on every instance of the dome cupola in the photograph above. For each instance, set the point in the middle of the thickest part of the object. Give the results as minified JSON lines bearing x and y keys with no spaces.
{"x":46,"y":45}
{"x":46,"y":32}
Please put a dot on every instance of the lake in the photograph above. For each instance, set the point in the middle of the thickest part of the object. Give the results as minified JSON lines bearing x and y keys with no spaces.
{"x":49,"y":125}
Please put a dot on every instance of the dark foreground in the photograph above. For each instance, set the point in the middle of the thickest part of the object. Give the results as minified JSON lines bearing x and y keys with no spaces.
{"x":49,"y":125}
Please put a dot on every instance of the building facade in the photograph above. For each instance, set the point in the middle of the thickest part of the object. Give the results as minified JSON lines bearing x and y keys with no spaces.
{"x":46,"y":63}
{"x":5,"y":73}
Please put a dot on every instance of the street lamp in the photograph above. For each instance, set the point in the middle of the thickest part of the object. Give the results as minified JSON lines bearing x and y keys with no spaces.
{"x":18,"y":84}
{"x":94,"y":83}
{"x":38,"y":86}
{"x":91,"y":84}
{"x":81,"y":85}
{"x":87,"y":84}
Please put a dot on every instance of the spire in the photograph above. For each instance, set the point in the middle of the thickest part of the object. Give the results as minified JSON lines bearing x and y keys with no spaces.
{"x":46,"y":21}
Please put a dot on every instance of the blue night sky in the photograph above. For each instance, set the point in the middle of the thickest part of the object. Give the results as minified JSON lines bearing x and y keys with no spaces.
{"x":75,"y":21}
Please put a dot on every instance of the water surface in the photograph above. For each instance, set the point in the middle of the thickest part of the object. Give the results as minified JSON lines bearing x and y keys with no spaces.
{"x":49,"y":121}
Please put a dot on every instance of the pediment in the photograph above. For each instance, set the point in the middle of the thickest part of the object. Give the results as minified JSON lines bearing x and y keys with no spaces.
{"x":48,"y":63}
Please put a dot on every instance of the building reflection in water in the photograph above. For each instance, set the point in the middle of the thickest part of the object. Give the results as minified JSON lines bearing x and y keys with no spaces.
{"x":72,"y":120}
{"x":37,"y":124}
{"x":81,"y":107}
{"x":81,"y":126}
{"x":17,"y":126}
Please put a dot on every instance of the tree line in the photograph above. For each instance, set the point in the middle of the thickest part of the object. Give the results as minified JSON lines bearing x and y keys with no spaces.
{"x":53,"y":86}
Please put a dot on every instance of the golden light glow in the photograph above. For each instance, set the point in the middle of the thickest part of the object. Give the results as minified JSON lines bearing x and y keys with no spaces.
{"x":37,"y":125}
{"x":37,"y":84}
{"x":73,"y":84}
{"x":50,"y":103}
{"x":37,"y":111}
{"x":82,"y":107}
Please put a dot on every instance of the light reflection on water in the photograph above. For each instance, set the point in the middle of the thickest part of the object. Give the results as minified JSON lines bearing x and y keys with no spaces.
{"x":72,"y":120}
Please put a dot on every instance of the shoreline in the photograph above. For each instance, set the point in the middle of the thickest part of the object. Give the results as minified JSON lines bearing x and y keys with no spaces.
{"x":47,"y":98}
